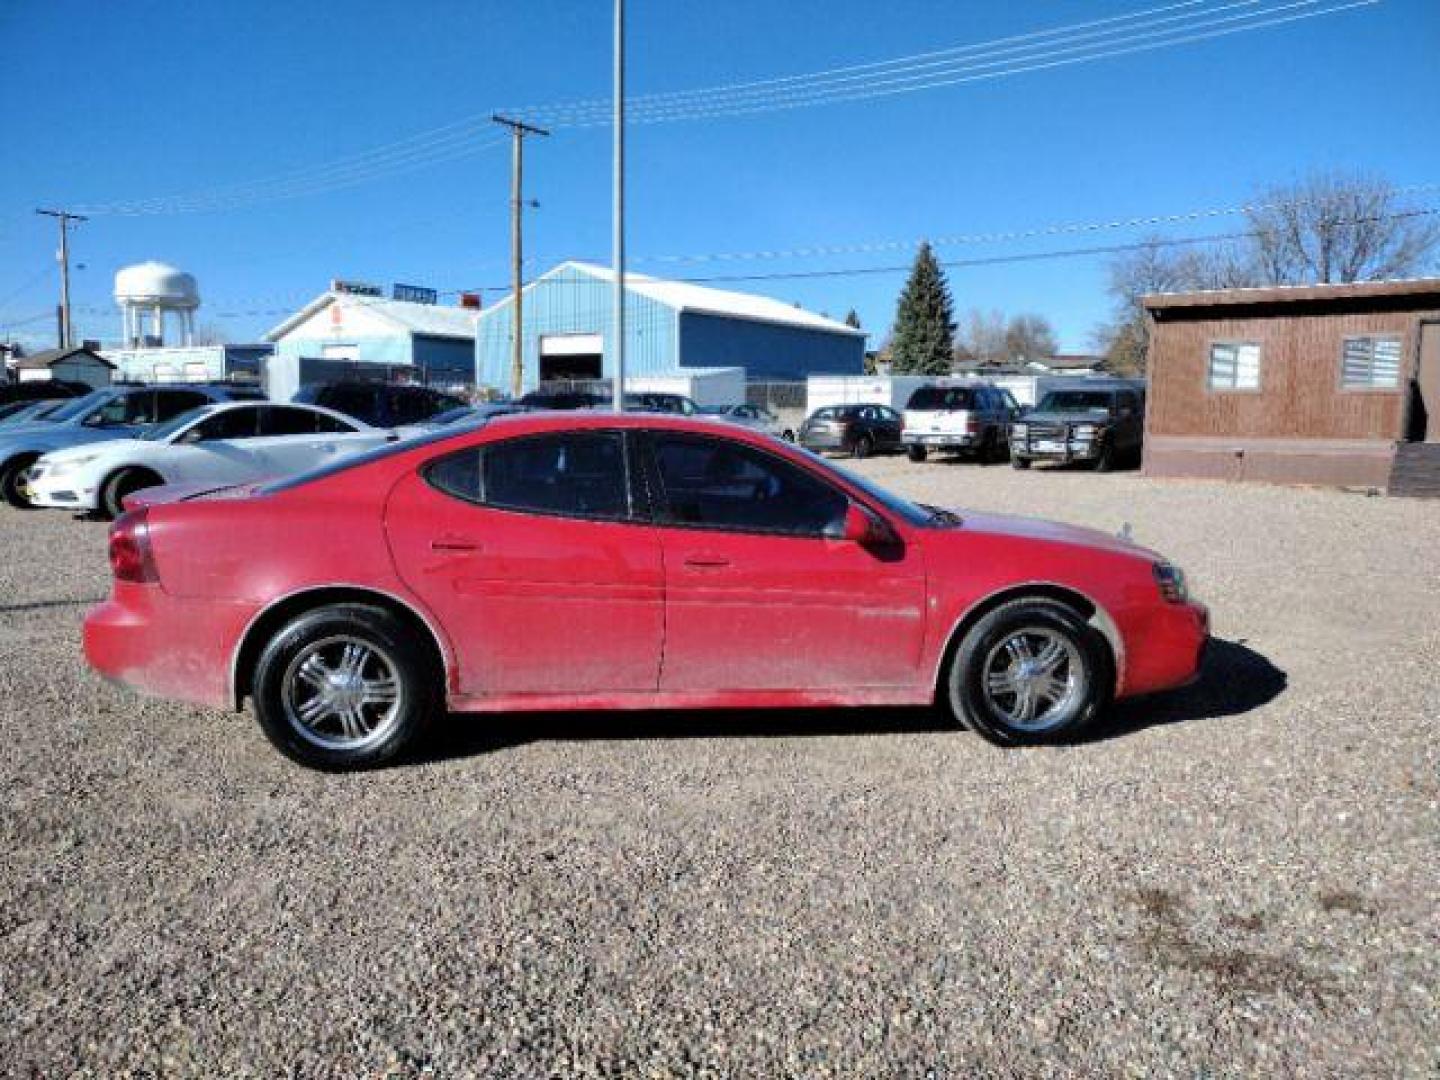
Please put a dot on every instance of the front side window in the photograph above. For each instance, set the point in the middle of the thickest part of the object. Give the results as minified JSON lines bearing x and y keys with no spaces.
{"x":1370,"y":363}
{"x":575,"y":474}
{"x":714,"y":483}
{"x":283,"y":420}
{"x":1234,"y":366}
{"x":170,"y":403}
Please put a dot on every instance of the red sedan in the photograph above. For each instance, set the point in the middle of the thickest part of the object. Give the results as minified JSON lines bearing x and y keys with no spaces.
{"x":601,"y":561}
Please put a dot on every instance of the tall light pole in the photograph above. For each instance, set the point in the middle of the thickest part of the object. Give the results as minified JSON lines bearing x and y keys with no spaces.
{"x":518,"y":131}
{"x":67,"y":333}
{"x":618,"y":211}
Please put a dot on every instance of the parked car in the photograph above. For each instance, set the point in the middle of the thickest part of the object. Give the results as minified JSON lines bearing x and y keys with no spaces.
{"x":116,"y":412}
{"x":26,"y":412}
{"x":222,"y":444}
{"x":1104,"y":425}
{"x":40,"y":389}
{"x":858,"y":430}
{"x":754,"y":417}
{"x":563,"y":399}
{"x":971,"y":420}
{"x":381,"y":405}
{"x":646,"y":401}
{"x":604,"y":561}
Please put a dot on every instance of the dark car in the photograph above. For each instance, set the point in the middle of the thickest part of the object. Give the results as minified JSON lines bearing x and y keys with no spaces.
{"x":382,"y":405}
{"x":859,"y":430}
{"x":563,"y":399}
{"x":672,"y":404}
{"x":1105,"y":425}
{"x":17,"y":412}
{"x":40,"y":389}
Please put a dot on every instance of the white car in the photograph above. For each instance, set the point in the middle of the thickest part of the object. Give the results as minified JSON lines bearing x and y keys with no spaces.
{"x":226,"y":443}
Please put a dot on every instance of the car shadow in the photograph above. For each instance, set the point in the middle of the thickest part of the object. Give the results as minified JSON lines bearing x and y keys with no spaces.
{"x":1234,"y":680}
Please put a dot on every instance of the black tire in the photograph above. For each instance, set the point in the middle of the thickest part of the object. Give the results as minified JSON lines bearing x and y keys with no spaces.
{"x":916,"y":453}
{"x":863,"y":446}
{"x":1106,"y":461}
{"x":1019,"y":462}
{"x":787,"y":435}
{"x":1086,"y":663}
{"x":10,"y":474}
{"x":327,"y":632}
{"x":119,"y":485}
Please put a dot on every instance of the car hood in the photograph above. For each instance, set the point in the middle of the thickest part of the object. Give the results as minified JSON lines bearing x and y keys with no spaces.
{"x":1065,"y":418}
{"x":73,"y":449}
{"x":1054,"y":532}
{"x":47,"y":438}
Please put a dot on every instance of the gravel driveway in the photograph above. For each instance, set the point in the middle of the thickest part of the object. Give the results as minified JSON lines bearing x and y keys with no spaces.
{"x":1241,"y":878}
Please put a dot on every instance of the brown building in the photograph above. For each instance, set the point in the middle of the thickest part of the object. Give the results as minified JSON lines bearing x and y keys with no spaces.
{"x":1323,"y":384}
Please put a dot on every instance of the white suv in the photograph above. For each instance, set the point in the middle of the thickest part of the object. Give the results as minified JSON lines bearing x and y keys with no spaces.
{"x":969,"y":419}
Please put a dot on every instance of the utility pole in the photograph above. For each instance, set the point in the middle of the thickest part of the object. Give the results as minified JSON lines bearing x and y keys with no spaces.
{"x":67,"y":333}
{"x":518,"y":131}
{"x":618,"y":211}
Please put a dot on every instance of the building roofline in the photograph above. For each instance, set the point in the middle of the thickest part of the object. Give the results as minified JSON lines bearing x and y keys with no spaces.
{"x":1283,"y":294}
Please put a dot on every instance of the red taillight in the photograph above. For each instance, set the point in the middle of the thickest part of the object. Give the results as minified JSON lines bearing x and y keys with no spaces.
{"x":130,"y":556}
{"x":972,"y":426}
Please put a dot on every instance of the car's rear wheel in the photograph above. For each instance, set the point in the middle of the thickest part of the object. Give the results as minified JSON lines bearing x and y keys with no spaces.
{"x":344,"y":687}
{"x":863,"y":446}
{"x":11,"y":484}
{"x":1106,"y":460}
{"x":119,"y":486}
{"x":916,"y":453}
{"x":1031,"y":671}
{"x":788,"y":435}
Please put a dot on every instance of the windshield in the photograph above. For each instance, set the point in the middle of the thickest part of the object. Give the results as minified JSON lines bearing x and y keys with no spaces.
{"x":913,"y":513}
{"x":936,"y":398}
{"x":81,"y":406}
{"x":1076,"y":401}
{"x":161,"y":432}
{"x":379,"y":453}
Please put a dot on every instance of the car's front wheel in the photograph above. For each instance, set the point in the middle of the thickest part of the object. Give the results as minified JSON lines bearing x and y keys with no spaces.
{"x":915,"y":452}
{"x":344,"y":687}
{"x":1031,"y":671}
{"x":863,"y":446}
{"x":120,"y":486}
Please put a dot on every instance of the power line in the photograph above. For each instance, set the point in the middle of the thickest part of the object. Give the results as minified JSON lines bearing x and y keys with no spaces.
{"x":1164,"y":26}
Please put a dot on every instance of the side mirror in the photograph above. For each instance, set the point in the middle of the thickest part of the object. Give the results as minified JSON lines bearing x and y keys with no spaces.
{"x":860,"y":526}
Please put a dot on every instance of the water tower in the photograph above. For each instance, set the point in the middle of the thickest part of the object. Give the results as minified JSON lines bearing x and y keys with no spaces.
{"x":153,"y":288}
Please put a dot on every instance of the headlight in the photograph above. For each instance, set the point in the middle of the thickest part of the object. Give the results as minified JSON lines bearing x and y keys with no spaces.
{"x":1018,"y":429}
{"x":1171,"y":580}
{"x":1084,"y":431}
{"x":65,"y":466}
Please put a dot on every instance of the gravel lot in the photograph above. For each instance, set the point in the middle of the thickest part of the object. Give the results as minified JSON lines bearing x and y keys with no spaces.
{"x":1239,"y":879}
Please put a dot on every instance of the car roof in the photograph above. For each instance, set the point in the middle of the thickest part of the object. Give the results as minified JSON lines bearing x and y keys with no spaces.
{"x":252,"y":403}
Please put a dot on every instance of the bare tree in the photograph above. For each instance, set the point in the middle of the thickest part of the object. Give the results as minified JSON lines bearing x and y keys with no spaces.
{"x":1030,"y":337}
{"x":981,"y":338}
{"x":1338,"y":227}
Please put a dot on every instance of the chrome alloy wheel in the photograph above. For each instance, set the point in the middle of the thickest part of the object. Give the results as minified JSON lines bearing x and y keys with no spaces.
{"x":342,"y":693}
{"x":1033,"y":678}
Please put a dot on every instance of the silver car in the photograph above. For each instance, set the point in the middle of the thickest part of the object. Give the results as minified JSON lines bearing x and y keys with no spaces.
{"x":754,"y":417}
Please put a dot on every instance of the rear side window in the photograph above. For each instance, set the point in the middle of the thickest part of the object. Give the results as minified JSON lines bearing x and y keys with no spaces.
{"x":936,"y":398}
{"x":280,"y":420}
{"x":576,"y":474}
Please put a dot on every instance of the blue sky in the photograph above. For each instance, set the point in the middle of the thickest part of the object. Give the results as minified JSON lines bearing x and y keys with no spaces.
{"x":107,"y":102}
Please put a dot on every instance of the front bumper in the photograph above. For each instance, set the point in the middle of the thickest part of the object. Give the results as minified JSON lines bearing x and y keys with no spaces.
{"x":71,"y":491}
{"x":1056,"y":445}
{"x":1165,"y":647}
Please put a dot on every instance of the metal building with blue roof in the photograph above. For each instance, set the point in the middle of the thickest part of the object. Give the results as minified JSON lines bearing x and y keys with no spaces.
{"x":670,"y":327}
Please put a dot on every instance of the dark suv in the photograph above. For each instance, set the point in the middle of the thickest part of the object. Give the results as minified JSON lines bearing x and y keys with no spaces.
{"x":1105,"y":425}
{"x":381,"y":405}
{"x":859,"y":430}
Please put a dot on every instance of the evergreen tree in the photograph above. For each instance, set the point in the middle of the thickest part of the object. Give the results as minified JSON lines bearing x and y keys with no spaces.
{"x":923,"y":339}
{"x":852,"y":319}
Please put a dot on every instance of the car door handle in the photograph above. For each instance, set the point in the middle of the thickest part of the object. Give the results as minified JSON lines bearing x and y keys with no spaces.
{"x":706,"y":562}
{"x":454,"y":544}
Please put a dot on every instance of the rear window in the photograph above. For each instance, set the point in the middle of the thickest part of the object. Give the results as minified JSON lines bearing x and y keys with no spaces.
{"x":938,"y":398}
{"x":574,"y":474}
{"x":1077,"y":401}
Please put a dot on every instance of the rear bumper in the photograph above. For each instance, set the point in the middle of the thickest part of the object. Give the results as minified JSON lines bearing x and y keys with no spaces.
{"x":959,"y":442}
{"x":824,"y":440}
{"x":161,"y":646}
